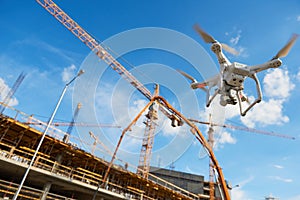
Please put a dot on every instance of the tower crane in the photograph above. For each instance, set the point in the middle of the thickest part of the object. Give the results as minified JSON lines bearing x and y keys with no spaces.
{"x":148,"y":139}
{"x":70,"y":128}
{"x":11,"y":92}
{"x":96,"y":140}
{"x":242,"y":128}
{"x":104,"y":55}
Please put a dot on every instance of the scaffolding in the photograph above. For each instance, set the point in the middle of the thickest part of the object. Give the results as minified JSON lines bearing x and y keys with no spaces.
{"x":76,"y":167}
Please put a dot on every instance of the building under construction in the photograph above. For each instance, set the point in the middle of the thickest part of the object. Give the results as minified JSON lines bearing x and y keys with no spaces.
{"x":63,"y":171}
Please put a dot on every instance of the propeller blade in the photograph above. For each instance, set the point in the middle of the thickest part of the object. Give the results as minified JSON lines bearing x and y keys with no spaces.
{"x":209,"y":39}
{"x":205,"y":36}
{"x":187,"y":76}
{"x":285,"y":50}
{"x":230,"y":49}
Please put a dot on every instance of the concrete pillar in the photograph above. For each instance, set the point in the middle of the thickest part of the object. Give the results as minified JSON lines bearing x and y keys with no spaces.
{"x":46,"y":190}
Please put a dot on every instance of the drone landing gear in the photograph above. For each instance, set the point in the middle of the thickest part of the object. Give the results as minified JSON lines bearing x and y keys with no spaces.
{"x":209,"y":100}
{"x":234,"y":96}
{"x":241,"y":97}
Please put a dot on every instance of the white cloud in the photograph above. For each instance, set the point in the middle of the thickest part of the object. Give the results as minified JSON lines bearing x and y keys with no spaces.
{"x":234,"y":40}
{"x":235,"y":37}
{"x":266,"y":113}
{"x":298,"y":76}
{"x":277,"y":84}
{"x":221,"y":138}
{"x":278,"y":166}
{"x":278,"y":178}
{"x":239,"y":194}
{"x":298,"y":18}
{"x":4,"y":90}
{"x":232,"y":111}
{"x":297,"y":197}
{"x":225,"y":137}
{"x":68,"y":73}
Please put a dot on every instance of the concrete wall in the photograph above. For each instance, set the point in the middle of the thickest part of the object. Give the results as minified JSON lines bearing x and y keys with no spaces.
{"x":190,"y":182}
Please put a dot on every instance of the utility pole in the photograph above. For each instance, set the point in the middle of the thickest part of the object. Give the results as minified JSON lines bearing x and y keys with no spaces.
{"x":44,"y":133}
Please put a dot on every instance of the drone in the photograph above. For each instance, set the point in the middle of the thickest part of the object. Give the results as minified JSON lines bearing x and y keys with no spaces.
{"x":229,"y":83}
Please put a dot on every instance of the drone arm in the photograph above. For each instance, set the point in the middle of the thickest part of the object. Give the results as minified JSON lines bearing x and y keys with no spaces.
{"x":217,"y":49}
{"x":257,"y":100}
{"x":270,"y":64}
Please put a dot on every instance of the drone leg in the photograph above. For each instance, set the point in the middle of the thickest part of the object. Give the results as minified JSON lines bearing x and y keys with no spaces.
{"x":209,"y":100}
{"x":240,"y":103}
{"x":207,"y":96}
{"x":257,"y":100}
{"x":258,"y":89}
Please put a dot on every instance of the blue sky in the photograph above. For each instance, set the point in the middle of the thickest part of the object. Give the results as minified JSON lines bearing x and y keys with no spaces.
{"x":33,"y":42}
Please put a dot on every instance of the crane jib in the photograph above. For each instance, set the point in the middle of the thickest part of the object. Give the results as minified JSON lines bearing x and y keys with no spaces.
{"x":92,"y":43}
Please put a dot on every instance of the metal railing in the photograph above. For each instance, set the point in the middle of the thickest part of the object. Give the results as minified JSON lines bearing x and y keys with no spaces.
{"x":72,"y":174}
{"x":9,"y":188}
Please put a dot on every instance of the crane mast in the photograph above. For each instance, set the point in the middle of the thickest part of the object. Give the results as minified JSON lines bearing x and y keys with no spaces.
{"x":147,"y":144}
{"x":70,"y":128}
{"x":11,"y":92}
{"x":104,"y":55}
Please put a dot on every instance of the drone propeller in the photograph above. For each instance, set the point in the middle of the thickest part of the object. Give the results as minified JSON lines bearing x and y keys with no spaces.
{"x":187,"y":76}
{"x":285,"y":50}
{"x":209,"y":39}
{"x":230,"y":49}
{"x":205,"y":36}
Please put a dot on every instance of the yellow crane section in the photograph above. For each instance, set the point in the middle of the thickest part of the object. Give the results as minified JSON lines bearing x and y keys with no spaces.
{"x":93,"y":44}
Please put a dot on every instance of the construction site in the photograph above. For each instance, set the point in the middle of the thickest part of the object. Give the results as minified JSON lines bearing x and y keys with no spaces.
{"x":39,"y":161}
{"x":62,"y":171}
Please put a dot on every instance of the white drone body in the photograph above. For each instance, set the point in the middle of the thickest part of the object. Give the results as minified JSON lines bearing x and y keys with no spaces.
{"x":230,"y":81}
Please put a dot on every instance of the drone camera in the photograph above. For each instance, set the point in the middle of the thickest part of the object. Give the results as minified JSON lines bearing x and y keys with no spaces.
{"x":234,"y":80}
